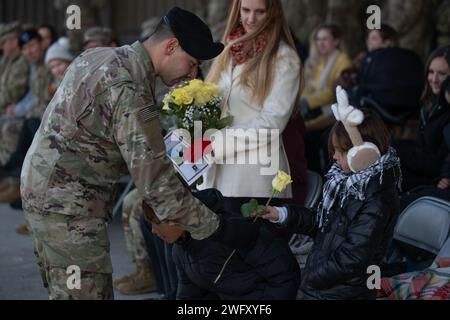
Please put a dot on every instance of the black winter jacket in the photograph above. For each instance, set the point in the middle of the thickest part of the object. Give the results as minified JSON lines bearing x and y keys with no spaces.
{"x":426,"y":157}
{"x":268,"y":271}
{"x":355,"y":238}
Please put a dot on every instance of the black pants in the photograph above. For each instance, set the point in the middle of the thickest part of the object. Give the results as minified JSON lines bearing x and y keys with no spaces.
{"x":160,"y":254}
{"x":416,"y":170}
{"x":14,"y":166}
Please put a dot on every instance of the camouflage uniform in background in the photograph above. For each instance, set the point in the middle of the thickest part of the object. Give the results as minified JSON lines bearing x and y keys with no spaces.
{"x":40,"y":82}
{"x":304,"y":16}
{"x":13,"y":80}
{"x":90,"y":136}
{"x":412,"y":20}
{"x":134,"y":239}
{"x":91,"y":14}
{"x":443,"y":23}
{"x":13,"y":87}
{"x":41,"y":89}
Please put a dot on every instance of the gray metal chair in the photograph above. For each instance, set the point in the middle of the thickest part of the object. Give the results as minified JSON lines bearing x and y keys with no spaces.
{"x":314,"y":189}
{"x":301,"y":244}
{"x":424,"y":224}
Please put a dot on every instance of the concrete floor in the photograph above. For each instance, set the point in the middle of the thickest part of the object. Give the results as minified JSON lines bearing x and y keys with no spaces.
{"x":19,"y":275}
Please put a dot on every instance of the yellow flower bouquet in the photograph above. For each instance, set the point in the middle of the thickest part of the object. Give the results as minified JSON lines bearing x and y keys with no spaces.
{"x":194,"y":101}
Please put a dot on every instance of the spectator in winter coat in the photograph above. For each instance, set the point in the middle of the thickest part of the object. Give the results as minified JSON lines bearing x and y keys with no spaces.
{"x":423,"y":158}
{"x":440,"y":188}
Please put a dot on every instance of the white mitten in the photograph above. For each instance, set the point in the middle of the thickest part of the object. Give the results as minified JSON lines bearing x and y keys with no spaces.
{"x":344,"y":112}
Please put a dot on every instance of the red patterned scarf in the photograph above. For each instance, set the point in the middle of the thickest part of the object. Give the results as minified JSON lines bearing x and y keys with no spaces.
{"x":242,"y":51}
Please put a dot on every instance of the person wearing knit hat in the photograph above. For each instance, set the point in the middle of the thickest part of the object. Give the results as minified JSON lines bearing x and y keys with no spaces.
{"x":58,"y":58}
{"x":99,"y":37}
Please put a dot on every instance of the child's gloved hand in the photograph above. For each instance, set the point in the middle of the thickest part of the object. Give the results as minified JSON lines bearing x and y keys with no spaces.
{"x":344,"y":112}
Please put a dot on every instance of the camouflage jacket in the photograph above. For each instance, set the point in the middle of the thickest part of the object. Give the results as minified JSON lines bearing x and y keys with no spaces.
{"x":13,"y":80}
{"x":41,"y":89}
{"x":90,"y":136}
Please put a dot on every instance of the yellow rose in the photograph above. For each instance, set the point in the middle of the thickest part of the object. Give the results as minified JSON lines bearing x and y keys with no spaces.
{"x":182,"y":97}
{"x":195,"y":83}
{"x":281,"y":181}
{"x":202,"y":97}
{"x":212,"y":89}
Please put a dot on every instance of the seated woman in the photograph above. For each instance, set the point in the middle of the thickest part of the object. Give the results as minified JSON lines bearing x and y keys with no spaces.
{"x":440,"y":188}
{"x":322,"y":70}
{"x":268,"y":271}
{"x":423,"y":158}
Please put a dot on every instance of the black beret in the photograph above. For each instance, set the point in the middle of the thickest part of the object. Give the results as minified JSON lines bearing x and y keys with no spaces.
{"x":193,"y":34}
{"x":28,"y":35}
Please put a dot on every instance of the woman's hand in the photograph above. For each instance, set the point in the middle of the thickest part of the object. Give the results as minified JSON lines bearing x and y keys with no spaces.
{"x":271,"y":214}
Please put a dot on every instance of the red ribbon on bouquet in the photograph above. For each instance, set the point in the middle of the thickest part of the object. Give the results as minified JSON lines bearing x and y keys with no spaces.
{"x":197,"y":149}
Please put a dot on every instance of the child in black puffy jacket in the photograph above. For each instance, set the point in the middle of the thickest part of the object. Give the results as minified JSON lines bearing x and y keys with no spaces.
{"x":354,"y":222}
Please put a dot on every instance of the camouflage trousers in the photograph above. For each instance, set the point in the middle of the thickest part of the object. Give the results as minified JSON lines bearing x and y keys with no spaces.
{"x":9,"y":137}
{"x":73,"y":255}
{"x":131,"y":213}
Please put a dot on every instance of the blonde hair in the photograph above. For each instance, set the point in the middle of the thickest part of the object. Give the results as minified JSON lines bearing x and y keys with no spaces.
{"x":258,"y":72}
{"x":314,"y":58}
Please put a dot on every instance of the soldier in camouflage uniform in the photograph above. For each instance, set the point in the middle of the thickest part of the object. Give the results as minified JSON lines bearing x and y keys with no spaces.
{"x":30,"y":107}
{"x":13,"y":67}
{"x":13,"y":86}
{"x":142,"y":280}
{"x":101,"y":124}
{"x":99,"y":37}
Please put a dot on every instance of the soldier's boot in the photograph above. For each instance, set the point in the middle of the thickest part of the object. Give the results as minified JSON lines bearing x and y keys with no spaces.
{"x":22,"y":229}
{"x":12,"y":193}
{"x":5,"y":183}
{"x":125,"y":278}
{"x":142,"y":282}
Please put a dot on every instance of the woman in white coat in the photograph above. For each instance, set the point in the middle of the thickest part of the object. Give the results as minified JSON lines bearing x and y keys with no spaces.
{"x":260,"y":75}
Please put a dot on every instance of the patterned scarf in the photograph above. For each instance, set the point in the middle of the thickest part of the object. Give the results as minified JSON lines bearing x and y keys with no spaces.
{"x":341,"y":185}
{"x":243,"y":51}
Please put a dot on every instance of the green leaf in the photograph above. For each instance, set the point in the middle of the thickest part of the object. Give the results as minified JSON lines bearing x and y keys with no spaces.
{"x":254,"y":204}
{"x":248,"y":208}
{"x":224,"y":122}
